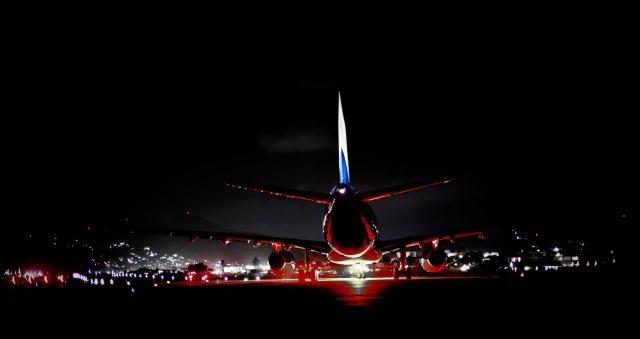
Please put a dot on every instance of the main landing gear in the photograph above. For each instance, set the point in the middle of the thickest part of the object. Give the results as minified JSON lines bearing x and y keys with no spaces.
{"x":308,"y":270}
{"x":400,"y":267}
{"x":397,"y":272}
{"x":304,"y":274}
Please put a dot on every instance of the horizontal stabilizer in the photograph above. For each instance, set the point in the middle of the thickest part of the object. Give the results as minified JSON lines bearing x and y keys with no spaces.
{"x":393,"y":191}
{"x":322,"y":198}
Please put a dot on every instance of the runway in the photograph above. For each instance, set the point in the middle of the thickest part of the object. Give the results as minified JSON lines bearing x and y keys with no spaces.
{"x":350,"y":291}
{"x":433,"y":300}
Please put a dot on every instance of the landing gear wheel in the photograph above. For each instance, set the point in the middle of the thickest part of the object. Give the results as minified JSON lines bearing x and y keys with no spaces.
{"x":408,"y":272}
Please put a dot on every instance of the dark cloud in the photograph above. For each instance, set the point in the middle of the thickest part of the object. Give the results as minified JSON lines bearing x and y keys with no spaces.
{"x":297,"y":141}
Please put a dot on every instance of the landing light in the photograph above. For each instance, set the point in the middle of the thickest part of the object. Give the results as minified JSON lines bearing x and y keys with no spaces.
{"x":342,"y":190}
{"x":358,"y":269}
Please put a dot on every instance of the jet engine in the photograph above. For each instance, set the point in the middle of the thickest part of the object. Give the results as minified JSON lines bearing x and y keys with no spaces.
{"x":278,"y":260}
{"x":433,"y":260}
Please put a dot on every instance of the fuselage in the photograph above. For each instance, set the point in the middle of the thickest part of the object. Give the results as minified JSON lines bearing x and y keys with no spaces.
{"x":350,"y":228}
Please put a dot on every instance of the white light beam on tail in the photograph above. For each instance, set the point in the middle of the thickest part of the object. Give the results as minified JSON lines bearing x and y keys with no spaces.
{"x":343,"y":154}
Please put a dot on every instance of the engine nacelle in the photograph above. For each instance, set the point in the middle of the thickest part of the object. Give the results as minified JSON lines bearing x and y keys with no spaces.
{"x":277,"y":261}
{"x":288,"y":257}
{"x":433,"y":261}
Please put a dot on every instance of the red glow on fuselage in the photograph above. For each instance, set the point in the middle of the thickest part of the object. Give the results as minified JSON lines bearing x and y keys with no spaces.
{"x":327,"y":229}
{"x":367,"y":227}
{"x":349,"y":224}
{"x":350,"y":239}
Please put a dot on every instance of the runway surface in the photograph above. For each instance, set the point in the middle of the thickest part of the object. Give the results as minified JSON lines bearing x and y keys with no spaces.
{"x":350,"y":291}
{"x":421,"y":301}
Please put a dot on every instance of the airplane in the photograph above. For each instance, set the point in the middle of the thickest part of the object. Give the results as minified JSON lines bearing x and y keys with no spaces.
{"x":350,"y":228}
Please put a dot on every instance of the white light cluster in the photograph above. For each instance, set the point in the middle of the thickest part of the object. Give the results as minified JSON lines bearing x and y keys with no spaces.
{"x":80,"y":277}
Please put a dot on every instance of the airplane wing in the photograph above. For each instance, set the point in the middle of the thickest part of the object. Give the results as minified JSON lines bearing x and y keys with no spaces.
{"x":420,"y":240}
{"x":393,"y":191}
{"x":322,"y":198}
{"x":225,"y":237}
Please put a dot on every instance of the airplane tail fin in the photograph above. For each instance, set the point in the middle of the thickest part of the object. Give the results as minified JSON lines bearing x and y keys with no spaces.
{"x":343,"y":155}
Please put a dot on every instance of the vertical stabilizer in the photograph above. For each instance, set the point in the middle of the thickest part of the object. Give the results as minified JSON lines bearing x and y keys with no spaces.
{"x":343,"y":155}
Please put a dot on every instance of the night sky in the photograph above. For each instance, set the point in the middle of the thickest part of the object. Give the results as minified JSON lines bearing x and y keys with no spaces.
{"x":104,"y":124}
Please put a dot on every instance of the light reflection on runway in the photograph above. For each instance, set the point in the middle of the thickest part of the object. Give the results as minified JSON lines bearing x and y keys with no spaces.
{"x":357,"y":292}
{"x":349,"y":291}
{"x":364,"y":292}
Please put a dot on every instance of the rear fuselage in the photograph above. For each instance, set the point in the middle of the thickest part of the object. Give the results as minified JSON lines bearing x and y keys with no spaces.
{"x":350,"y":227}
